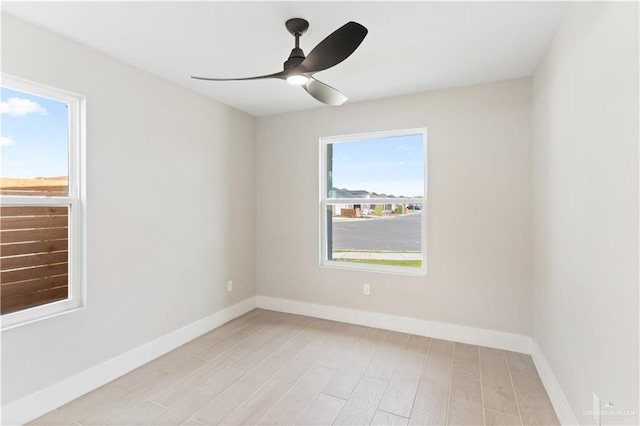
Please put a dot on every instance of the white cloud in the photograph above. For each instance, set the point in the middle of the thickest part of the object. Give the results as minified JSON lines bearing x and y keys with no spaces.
{"x":5,"y":141}
{"x":19,"y":107}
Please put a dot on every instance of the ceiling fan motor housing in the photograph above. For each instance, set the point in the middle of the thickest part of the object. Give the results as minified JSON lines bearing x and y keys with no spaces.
{"x":295,"y":58}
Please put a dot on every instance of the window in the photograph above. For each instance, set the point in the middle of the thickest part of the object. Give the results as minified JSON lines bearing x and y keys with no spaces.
{"x":41,"y":232}
{"x":373,"y":205}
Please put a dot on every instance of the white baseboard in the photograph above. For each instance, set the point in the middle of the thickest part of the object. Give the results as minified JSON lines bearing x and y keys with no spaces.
{"x":551,"y":385}
{"x":41,"y":402}
{"x":439,"y":330}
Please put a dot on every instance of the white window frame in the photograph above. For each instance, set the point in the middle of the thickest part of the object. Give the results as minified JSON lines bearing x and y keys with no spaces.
{"x":324,"y":201}
{"x":75,"y":201}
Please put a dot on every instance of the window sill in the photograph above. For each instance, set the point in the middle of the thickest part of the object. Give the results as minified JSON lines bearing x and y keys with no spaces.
{"x":384,"y":269}
{"x":39,"y":313}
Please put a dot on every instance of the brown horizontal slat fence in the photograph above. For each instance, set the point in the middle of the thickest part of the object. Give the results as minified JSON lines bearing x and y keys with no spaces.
{"x":42,"y":186}
{"x":36,"y":190}
{"x":34,"y":256}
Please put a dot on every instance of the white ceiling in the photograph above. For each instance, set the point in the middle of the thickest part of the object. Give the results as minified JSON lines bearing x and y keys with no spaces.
{"x":411,"y":46}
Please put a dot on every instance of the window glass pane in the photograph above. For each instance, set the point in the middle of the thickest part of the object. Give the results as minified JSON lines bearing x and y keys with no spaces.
{"x":384,"y":234}
{"x":34,"y":145}
{"x":34,"y":256}
{"x":379,"y":167}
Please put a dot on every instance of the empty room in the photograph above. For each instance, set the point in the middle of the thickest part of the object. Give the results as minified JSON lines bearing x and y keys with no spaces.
{"x":316,"y":213}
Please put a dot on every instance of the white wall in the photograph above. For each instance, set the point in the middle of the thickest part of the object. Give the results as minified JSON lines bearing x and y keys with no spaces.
{"x":171,"y":210}
{"x":585,"y":200}
{"x":479,"y":196}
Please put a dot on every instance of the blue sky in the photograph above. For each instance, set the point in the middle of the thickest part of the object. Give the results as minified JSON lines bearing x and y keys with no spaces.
{"x":33,"y":136}
{"x":394,"y":166}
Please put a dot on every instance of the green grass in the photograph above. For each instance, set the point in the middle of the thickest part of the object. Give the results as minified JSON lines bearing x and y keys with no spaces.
{"x":374,"y":251}
{"x":410,"y":263}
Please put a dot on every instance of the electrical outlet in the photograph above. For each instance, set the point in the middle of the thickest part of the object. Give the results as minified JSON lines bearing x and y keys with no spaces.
{"x":596,"y":408}
{"x":366,"y":289}
{"x":229,"y":285}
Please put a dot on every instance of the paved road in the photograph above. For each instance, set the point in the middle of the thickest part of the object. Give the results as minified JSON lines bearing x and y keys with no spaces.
{"x":393,"y":233}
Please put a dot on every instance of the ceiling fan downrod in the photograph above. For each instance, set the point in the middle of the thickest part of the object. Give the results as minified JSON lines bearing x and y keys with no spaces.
{"x":297,"y":27}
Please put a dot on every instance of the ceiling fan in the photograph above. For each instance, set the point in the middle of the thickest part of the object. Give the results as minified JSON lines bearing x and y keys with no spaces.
{"x":299,"y":70}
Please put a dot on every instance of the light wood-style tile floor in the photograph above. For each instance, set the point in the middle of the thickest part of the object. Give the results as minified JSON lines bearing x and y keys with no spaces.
{"x":272,"y":368}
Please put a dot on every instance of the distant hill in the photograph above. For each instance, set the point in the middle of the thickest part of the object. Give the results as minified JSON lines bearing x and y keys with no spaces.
{"x":37,"y":186}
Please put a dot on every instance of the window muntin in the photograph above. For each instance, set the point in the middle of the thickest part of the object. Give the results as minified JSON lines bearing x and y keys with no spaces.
{"x":373,"y":203}
{"x":41,"y":217}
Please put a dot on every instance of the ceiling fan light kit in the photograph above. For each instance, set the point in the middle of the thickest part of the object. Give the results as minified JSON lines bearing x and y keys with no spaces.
{"x":298,"y":79}
{"x":299,"y":69}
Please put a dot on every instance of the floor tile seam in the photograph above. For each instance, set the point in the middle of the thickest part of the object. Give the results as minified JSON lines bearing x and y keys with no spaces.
{"x":226,"y":366}
{"x":256,"y":391}
{"x":176,"y":370}
{"x":353,"y":390}
{"x":501,"y":412}
{"x":116,"y":386}
{"x":227,"y":333}
{"x":395,"y":364}
{"x":110,"y":421}
{"x":484,"y":420}
{"x":467,"y":362}
{"x":273,"y":337}
{"x":202,"y":385}
{"x":393,"y":414}
{"x":293,"y":337}
{"x":310,"y":367}
{"x":313,"y":399}
{"x":424,"y":363}
{"x":415,"y":351}
{"x":157,"y":403}
{"x":446,"y":422}
{"x":136,"y":404}
{"x":362,"y":345}
{"x":513,"y":388}
{"x":356,"y":386}
{"x":315,"y":362}
{"x":192,"y":416}
{"x":293,"y":358}
{"x":524,"y":374}
{"x":305,"y":346}
{"x":383,"y":392}
{"x":274,"y":405}
{"x":333,"y":396}
{"x":228,"y":349}
{"x":354,"y":348}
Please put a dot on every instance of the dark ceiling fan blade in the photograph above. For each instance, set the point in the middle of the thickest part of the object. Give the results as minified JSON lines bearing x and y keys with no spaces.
{"x":281,"y":74}
{"x":334,"y":49}
{"x":324,"y":93}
